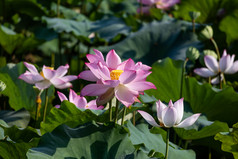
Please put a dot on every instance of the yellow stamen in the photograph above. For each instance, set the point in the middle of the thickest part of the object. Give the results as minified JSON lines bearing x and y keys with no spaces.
{"x":42,"y":74}
{"x":159,"y":3}
{"x":115,"y":74}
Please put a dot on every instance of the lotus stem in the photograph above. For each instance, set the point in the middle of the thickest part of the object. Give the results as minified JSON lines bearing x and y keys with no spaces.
{"x":110,"y":110}
{"x":123,"y":115}
{"x":216,"y":47}
{"x":193,"y":22}
{"x":46,"y":104}
{"x":116,"y":112}
{"x":134,"y":118}
{"x":182,"y":77}
{"x":167,"y":145}
{"x":58,"y":10}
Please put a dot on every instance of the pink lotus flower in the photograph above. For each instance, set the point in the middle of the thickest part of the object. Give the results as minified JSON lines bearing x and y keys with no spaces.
{"x":170,"y":116}
{"x":125,"y":80}
{"x":79,"y":101}
{"x":161,"y":4}
{"x":226,"y":65}
{"x":47,"y":77}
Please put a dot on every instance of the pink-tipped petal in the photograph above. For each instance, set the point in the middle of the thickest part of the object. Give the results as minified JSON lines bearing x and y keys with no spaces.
{"x":99,"y":54}
{"x":160,"y":107}
{"x":94,"y":90}
{"x":80,"y":102}
{"x":64,"y":86}
{"x":57,"y":106}
{"x":103,"y":71}
{"x":141,"y":85}
{"x":127,"y":76}
{"x":125,"y":95}
{"x":62,"y":97}
{"x":31,"y":68}
{"x":93,"y":105}
{"x":94,"y":69}
{"x":88,"y":75}
{"x":211,"y":63}
{"x":169,"y":116}
{"x":61,"y":71}
{"x":57,"y":81}
{"x":204,"y":72}
{"x":48,"y":73}
{"x":141,"y":66}
{"x":148,"y":118}
{"x":110,"y":83}
{"x":72,"y":96}
{"x":129,"y":65}
{"x":43,"y":84}
{"x":233,"y":69}
{"x":69,"y":78}
{"x":224,"y":53}
{"x":188,"y":121}
{"x":178,"y":105}
{"x":113,"y":60}
{"x":147,"y":2}
{"x":31,"y":78}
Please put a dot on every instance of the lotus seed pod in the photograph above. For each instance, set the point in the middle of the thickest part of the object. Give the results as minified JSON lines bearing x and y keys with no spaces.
{"x":206,"y":33}
{"x":192,"y":53}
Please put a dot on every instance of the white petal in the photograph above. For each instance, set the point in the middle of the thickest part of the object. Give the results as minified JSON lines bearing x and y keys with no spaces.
{"x":211,"y":63}
{"x":178,"y":105}
{"x":225,"y":62}
{"x":188,"y":121}
{"x":148,"y":118}
{"x":204,"y":72}
{"x":160,"y":107}
{"x":233,"y":69}
{"x":43,"y":84}
{"x":169,"y":116}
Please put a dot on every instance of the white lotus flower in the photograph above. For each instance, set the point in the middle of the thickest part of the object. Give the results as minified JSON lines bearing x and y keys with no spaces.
{"x":170,"y":116}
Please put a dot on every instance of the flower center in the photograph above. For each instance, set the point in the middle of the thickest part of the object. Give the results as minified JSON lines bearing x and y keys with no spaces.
{"x":42,"y":74}
{"x":159,"y":3}
{"x":115,"y":74}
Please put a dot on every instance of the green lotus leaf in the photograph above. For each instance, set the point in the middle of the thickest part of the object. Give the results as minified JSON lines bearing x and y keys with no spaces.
{"x":86,"y":141}
{"x":229,"y":140}
{"x":140,"y":135}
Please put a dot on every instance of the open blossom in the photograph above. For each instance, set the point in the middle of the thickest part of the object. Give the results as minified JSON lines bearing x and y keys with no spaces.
{"x":170,"y":116}
{"x":226,"y":65}
{"x":125,"y":80}
{"x":79,"y":101}
{"x":48,"y":76}
{"x":161,"y":4}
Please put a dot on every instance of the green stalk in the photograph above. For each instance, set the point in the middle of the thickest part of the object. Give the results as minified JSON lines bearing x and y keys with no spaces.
{"x":167,"y":145}
{"x":216,"y":47}
{"x":60,"y":47}
{"x":110,"y":110}
{"x":116,"y":112}
{"x":46,"y":104}
{"x":123,"y":115}
{"x":183,"y":70}
{"x":193,"y":22}
{"x":58,"y":5}
{"x":134,"y":118}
